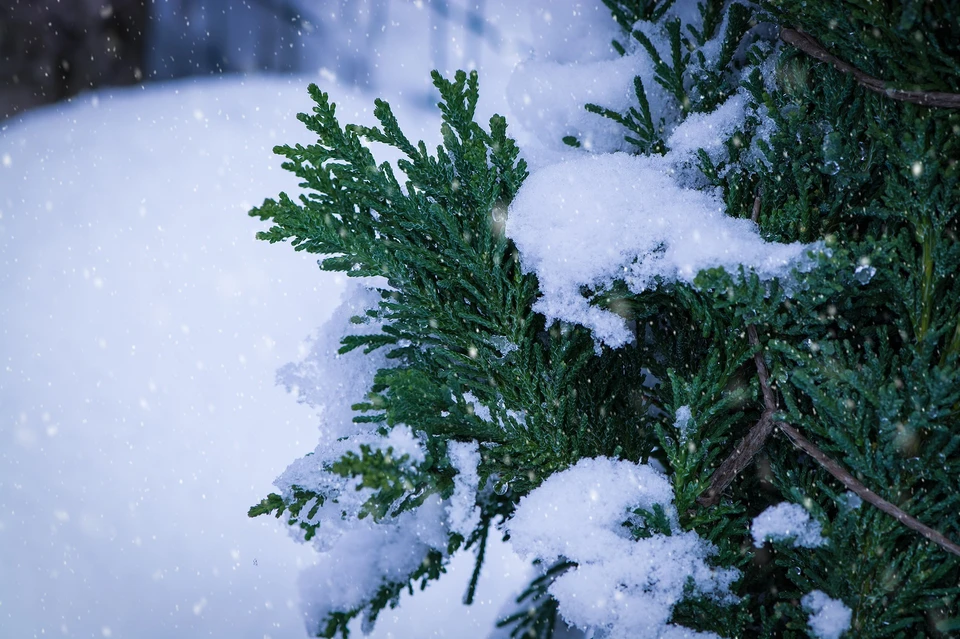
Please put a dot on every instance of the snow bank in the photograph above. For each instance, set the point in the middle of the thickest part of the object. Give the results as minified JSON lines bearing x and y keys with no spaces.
{"x":140,"y":333}
{"x":787,"y":521}
{"x":140,"y":327}
{"x":621,"y":586}
{"x":588,"y":221}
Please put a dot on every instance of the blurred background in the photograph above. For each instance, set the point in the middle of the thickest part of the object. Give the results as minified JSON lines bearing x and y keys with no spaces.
{"x":51,"y":50}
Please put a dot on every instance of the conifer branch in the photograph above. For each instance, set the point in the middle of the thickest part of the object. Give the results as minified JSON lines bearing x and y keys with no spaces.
{"x":809,"y":45}
{"x":862,"y":491}
{"x":739,"y":459}
{"x":757,"y":436}
{"x":754,"y":441}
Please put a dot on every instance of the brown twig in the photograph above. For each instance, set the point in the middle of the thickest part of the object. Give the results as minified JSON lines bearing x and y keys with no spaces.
{"x":751,"y":444}
{"x":756,"y":437}
{"x":756,"y":209}
{"x":831,"y":466}
{"x":739,"y":459}
{"x":862,"y":491}
{"x":809,"y":45}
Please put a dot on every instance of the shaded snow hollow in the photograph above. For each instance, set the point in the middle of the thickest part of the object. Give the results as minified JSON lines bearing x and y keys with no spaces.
{"x":620,"y":586}
{"x":591,"y":220}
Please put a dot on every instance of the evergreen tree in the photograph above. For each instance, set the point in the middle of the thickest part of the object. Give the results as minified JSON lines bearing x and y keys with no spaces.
{"x":805,"y":422}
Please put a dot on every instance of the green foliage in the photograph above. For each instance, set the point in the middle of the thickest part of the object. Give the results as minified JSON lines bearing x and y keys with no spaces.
{"x":301,"y":498}
{"x":693,"y":83}
{"x":457,"y":317}
{"x":862,"y":349}
{"x":537,"y":615}
{"x":862,"y":345}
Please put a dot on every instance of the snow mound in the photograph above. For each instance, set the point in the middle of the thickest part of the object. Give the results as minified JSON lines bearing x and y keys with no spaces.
{"x":620,"y":586}
{"x":591,"y":220}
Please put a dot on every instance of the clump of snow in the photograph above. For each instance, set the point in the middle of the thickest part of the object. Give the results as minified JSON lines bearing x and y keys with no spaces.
{"x":622,"y":587}
{"x":479,"y":409}
{"x":349,"y":574}
{"x":355,"y":554}
{"x":591,"y":220}
{"x":682,"y":422}
{"x":707,"y":131}
{"x":504,"y":345}
{"x":851,"y":500}
{"x":787,"y":521}
{"x":829,"y":618}
{"x":329,"y":381}
{"x":864,"y":273}
{"x":462,"y":511}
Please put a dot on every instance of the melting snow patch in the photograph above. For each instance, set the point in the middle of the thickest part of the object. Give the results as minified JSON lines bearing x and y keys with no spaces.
{"x":682,"y":422}
{"x":829,"y":618}
{"x":589,"y":221}
{"x":462,"y":511}
{"x":864,"y":273}
{"x":787,"y":521}
{"x":620,"y":586}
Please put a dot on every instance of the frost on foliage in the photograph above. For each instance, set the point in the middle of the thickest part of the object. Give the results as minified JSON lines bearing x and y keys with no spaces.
{"x":349,"y":574}
{"x":829,"y":618}
{"x":591,"y":220}
{"x":573,"y":63}
{"x":356,"y":554}
{"x":332,"y":382}
{"x":787,"y":521}
{"x":621,"y":586}
{"x":462,"y":511}
{"x":682,"y":422}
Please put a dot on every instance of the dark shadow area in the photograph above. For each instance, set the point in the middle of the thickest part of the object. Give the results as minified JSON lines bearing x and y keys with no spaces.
{"x":50,"y":51}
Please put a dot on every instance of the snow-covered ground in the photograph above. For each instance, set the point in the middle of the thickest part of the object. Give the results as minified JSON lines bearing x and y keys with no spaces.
{"x":141,"y":325}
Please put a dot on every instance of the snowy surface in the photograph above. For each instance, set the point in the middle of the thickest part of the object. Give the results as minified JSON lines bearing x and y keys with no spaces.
{"x":829,"y":618}
{"x":786,"y":521}
{"x":621,"y":586}
{"x":142,"y":326}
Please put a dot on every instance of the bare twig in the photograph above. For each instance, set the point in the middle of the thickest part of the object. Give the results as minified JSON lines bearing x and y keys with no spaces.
{"x":755,"y":438}
{"x":756,"y":209}
{"x":769,"y":402}
{"x":751,"y":444}
{"x":739,"y":459}
{"x":862,"y":491}
{"x":809,"y":45}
